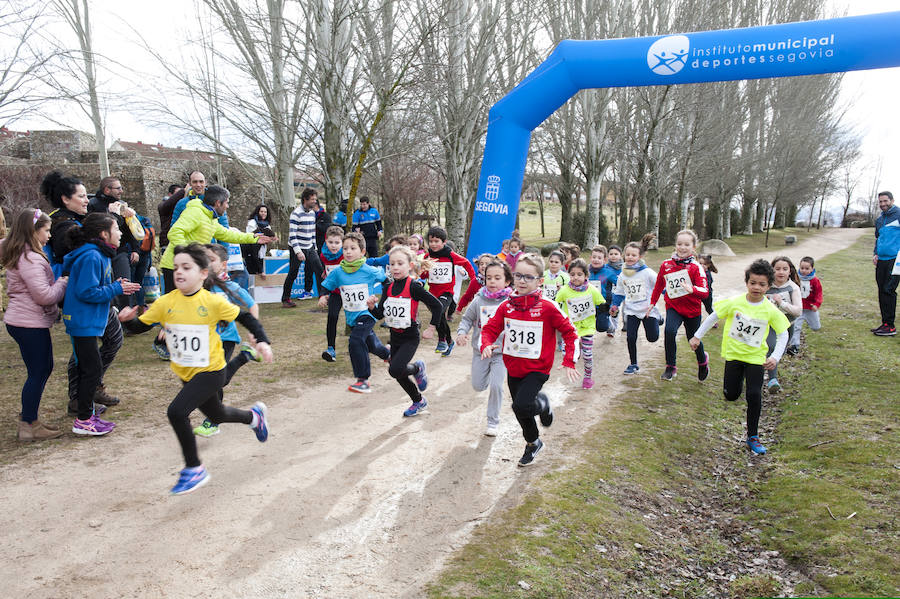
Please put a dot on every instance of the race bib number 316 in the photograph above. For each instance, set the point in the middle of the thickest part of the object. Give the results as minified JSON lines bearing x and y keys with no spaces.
{"x":523,"y":338}
{"x":354,"y":297}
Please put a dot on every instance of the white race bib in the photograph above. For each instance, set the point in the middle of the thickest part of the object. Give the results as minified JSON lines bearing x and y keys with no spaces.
{"x":677,"y":283}
{"x":523,"y":338}
{"x":804,"y":289}
{"x":580,"y":308}
{"x":749,"y":331}
{"x":398,"y":312}
{"x":486,"y":313}
{"x":597,"y":283}
{"x":549,"y":292}
{"x":634,"y":291}
{"x":188,"y":344}
{"x":442,"y":272}
{"x":354,"y":297}
{"x":330,"y":267}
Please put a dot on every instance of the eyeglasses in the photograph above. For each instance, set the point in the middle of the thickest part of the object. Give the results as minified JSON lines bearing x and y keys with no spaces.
{"x":117,"y":188}
{"x":523,"y":277}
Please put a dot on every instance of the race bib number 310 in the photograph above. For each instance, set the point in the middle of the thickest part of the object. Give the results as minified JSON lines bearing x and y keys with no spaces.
{"x":677,"y":284}
{"x":188,"y":344}
{"x":749,"y":331}
{"x":523,"y":338}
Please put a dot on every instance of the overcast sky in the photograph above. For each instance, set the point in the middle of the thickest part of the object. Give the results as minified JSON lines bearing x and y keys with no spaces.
{"x":873,"y":94}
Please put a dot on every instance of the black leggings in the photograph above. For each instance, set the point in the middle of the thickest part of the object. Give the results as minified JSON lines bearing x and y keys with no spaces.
{"x":88,"y":368}
{"x":736,"y":372}
{"x":232,"y":365}
{"x":334,"y":312}
{"x":110,"y":343}
{"x":673,"y":323}
{"x":632,"y":325}
{"x":202,"y":392}
{"x":443,"y":327}
{"x":528,"y":401}
{"x":403,"y":350}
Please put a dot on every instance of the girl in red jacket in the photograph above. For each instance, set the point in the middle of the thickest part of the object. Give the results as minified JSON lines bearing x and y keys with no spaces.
{"x":529,"y":323}
{"x":811,"y":295}
{"x":684,"y":282}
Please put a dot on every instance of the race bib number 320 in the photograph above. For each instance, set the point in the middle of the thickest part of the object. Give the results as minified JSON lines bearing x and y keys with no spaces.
{"x":523,"y":338}
{"x":188,"y":344}
{"x":677,"y":284}
{"x":749,"y":331}
{"x":354,"y":297}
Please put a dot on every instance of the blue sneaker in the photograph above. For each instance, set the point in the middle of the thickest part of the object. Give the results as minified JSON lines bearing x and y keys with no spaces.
{"x":755,"y":446}
{"x":774,"y":387}
{"x":161,"y":349}
{"x":262,"y":427}
{"x":421,"y":378}
{"x":416,"y":408}
{"x":329,"y":355}
{"x":446,"y":353}
{"x":189,"y":479}
{"x":441,"y":347}
{"x":632,"y":369}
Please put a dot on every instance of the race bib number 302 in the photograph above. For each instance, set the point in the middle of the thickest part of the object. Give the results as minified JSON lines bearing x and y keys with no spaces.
{"x":398,"y":312}
{"x":749,"y":331}
{"x":677,"y":284}
{"x":188,"y":344}
{"x":354,"y":297}
{"x":442,"y":272}
{"x":523,"y":338}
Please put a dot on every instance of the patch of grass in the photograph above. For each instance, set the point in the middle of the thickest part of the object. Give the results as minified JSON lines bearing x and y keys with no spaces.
{"x":665,"y":499}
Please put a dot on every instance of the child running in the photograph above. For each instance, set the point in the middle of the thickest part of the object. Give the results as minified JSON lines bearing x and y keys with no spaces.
{"x":477,"y":283}
{"x":555,"y":278}
{"x":784,"y":292}
{"x":709,"y":267}
{"x":490,"y":372}
{"x":356,"y":281}
{"x":579,"y":300}
{"x":331,"y":256}
{"x":598,"y":276}
{"x":684,"y":282}
{"x":515,"y":251}
{"x":86,"y":308}
{"x":749,"y":319}
{"x":441,"y":280}
{"x":228,"y":333}
{"x":190,"y":314}
{"x":811,"y":296}
{"x":632,"y":292}
{"x":399,"y":307}
{"x":529,"y":324}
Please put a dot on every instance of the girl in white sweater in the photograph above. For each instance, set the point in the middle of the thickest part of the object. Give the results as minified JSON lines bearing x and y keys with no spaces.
{"x":632,"y":293}
{"x":785,"y":294}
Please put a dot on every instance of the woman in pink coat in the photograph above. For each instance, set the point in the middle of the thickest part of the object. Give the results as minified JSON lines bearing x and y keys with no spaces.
{"x":33,"y":298}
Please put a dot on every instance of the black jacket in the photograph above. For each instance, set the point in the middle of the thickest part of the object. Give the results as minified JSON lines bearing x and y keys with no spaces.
{"x":100,"y":203}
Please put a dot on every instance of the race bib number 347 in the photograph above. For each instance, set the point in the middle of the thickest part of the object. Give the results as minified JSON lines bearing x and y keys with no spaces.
{"x":523,"y":338}
{"x":749,"y":331}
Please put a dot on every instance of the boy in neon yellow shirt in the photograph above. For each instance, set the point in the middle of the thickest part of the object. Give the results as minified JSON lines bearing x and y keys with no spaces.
{"x":748,"y":318}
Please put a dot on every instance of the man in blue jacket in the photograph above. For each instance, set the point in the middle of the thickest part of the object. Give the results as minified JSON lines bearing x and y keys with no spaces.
{"x":887,"y":248}
{"x":367,"y":221}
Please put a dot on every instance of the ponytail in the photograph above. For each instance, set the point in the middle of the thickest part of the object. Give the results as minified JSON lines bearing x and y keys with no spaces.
{"x":90,"y":229}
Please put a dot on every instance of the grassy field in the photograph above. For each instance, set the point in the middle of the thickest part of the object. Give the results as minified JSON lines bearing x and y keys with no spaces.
{"x":666,"y":501}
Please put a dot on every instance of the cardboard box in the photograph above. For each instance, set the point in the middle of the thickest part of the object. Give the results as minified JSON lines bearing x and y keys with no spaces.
{"x":269,"y":280}
{"x":267,"y":295}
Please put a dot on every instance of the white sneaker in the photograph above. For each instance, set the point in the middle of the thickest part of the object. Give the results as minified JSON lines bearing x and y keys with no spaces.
{"x":490,"y":431}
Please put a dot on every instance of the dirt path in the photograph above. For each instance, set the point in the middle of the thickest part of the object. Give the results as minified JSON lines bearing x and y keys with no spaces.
{"x":347,"y":499}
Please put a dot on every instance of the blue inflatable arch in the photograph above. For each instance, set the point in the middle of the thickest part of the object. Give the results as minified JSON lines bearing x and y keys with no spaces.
{"x":788,"y":50}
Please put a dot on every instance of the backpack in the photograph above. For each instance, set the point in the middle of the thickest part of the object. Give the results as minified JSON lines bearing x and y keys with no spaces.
{"x":149,"y":241}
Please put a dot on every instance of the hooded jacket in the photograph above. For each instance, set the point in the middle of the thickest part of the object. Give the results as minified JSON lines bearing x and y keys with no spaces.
{"x":199,"y":223}
{"x":887,"y":234}
{"x":33,"y":294}
{"x":86,"y":306}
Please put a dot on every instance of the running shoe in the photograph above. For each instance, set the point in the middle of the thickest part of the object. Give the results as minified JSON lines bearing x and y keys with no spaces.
{"x":547,"y":414}
{"x":703,"y":368}
{"x":446,"y":353}
{"x":755,"y":446}
{"x":360,"y":387}
{"x":420,"y":376}
{"x":886,"y":331}
{"x":491,"y":430}
{"x":250,"y":351}
{"x":329,"y":355}
{"x":93,"y":427}
{"x":774,"y":386}
{"x":441,"y":347}
{"x":531,"y":450}
{"x":161,"y":350}
{"x":587,"y":383}
{"x":610,"y":334}
{"x":879,"y":327}
{"x":207,"y":429}
{"x":792,"y":350}
{"x":632,"y":369}
{"x":416,"y":408}
{"x":669,"y":373}
{"x":190,"y":479}
{"x":288,"y":304}
{"x":262,"y":426}
{"x":388,"y":359}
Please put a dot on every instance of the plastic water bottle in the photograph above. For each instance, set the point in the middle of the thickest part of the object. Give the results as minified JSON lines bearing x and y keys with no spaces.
{"x":151,"y":285}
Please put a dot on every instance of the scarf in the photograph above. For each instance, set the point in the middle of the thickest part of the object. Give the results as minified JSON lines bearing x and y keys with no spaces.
{"x":106,"y":249}
{"x":809,"y":276}
{"x":499,"y":294}
{"x":680,"y":261}
{"x":523,"y":303}
{"x":594,"y":271}
{"x":351,"y":267}
{"x":582,"y":287}
{"x":444,"y":252}
{"x":327,"y":253}
{"x":617,"y":265}
{"x":631,"y":270}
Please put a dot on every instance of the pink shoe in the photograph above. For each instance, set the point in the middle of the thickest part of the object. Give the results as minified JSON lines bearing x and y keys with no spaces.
{"x":588,"y":383}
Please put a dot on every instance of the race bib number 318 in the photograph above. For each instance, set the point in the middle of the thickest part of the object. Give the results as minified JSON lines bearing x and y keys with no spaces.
{"x":523,"y":338}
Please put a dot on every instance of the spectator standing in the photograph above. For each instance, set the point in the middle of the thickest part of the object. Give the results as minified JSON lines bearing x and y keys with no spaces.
{"x":302,"y":239}
{"x":323,"y":222}
{"x":145,"y":255}
{"x":107,"y":201}
{"x":367,"y":220}
{"x":887,"y":250}
{"x":165,"y":209}
{"x":258,"y":222}
{"x":340,"y":217}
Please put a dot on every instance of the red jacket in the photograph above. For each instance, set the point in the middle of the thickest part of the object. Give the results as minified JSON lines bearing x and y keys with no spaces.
{"x":439,"y":289}
{"x":469,"y":295}
{"x":688,"y":305}
{"x":815,"y":293}
{"x":538,"y":310}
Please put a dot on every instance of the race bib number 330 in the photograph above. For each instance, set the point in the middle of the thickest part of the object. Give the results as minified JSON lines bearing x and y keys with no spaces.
{"x":523,"y":338}
{"x":188,"y":344}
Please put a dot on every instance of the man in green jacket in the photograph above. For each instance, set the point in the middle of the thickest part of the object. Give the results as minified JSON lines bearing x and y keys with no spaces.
{"x":199,"y":223}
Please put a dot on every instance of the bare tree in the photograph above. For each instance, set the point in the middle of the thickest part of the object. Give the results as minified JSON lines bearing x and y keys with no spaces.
{"x":22,"y":60}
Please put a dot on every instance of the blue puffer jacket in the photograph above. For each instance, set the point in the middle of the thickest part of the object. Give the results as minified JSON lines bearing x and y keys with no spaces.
{"x":91,"y":288}
{"x":887,"y":234}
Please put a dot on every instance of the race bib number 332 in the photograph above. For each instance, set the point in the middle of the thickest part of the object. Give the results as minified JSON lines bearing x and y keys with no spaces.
{"x":442,"y":272}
